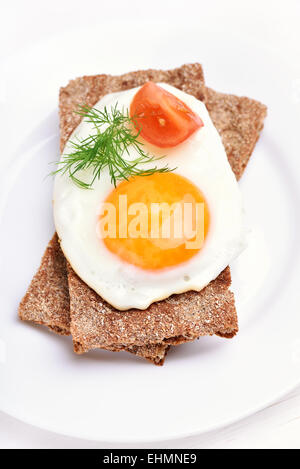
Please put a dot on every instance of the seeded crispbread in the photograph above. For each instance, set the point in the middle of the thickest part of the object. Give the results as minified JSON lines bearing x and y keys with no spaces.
{"x":178,"y":319}
{"x":184,"y":317}
{"x":238,"y":120}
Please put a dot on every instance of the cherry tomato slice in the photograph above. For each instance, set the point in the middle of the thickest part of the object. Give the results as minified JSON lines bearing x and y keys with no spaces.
{"x":162,"y":119}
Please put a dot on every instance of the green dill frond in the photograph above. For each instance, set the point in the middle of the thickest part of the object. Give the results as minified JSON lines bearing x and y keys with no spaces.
{"x":106,"y":148}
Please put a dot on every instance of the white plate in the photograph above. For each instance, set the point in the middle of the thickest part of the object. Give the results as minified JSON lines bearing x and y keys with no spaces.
{"x":203,"y":385}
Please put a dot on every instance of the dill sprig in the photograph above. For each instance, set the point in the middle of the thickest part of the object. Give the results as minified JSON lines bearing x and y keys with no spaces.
{"x":114,"y":133}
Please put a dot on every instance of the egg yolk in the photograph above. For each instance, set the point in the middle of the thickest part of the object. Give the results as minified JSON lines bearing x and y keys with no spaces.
{"x":154,"y":222}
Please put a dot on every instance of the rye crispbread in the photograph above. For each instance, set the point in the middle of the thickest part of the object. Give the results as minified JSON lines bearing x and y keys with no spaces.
{"x":47,"y":299}
{"x":95,"y":323}
{"x":239,"y":121}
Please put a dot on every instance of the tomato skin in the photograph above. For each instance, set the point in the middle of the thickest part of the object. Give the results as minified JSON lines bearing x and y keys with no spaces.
{"x":162,"y":119}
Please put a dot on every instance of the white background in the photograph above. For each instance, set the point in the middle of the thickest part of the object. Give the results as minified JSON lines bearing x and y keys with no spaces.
{"x":23,"y":24}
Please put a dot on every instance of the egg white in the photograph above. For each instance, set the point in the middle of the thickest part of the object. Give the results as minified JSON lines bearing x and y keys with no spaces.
{"x":202,"y":160}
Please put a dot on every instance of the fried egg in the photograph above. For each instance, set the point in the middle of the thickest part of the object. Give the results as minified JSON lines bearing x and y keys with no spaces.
{"x":164,"y":256}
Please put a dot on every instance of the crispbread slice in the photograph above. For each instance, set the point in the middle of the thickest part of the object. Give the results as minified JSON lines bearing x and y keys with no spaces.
{"x":184,"y":317}
{"x":47,"y":302}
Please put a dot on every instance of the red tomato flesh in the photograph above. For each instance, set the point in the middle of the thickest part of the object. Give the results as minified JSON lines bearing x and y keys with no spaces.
{"x":162,"y":119}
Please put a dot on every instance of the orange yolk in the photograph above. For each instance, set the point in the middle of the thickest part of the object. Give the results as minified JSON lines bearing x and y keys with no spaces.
{"x":154,"y":222}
